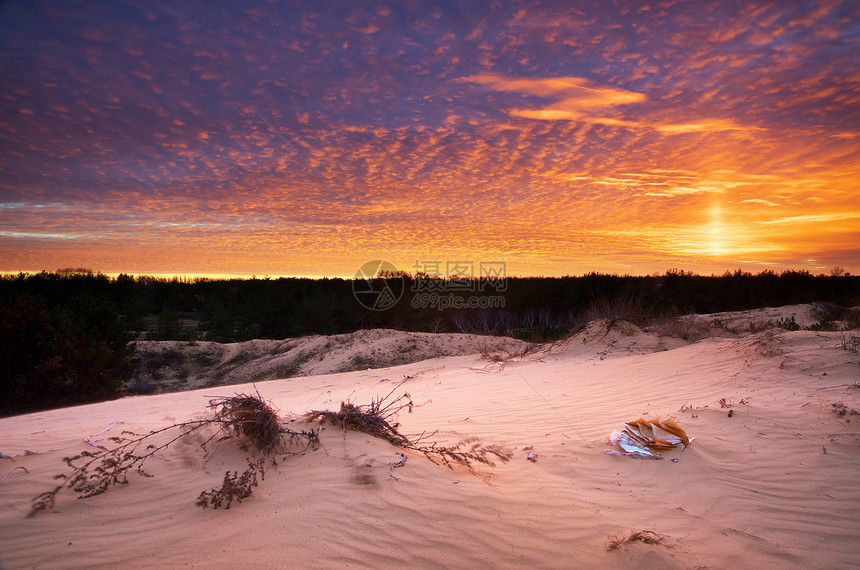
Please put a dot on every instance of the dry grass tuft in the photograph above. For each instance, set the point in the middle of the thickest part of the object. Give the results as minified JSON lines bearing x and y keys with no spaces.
{"x":377,"y":419}
{"x":252,"y":417}
{"x":688,"y":329}
{"x":841,"y":409}
{"x":234,"y":486}
{"x":254,"y":420}
{"x":372,"y":419}
{"x":646,"y":536}
{"x":504,"y":356}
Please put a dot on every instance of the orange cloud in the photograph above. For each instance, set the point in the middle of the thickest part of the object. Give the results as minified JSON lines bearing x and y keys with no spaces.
{"x":577,"y":99}
{"x":712,"y":125}
{"x":574,"y":96}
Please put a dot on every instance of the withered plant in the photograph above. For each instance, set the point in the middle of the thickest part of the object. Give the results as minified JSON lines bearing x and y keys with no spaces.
{"x":646,"y":536}
{"x":251,"y":417}
{"x":378,"y":420}
{"x":233,"y":486}
{"x":255,"y":425}
{"x":372,"y":419}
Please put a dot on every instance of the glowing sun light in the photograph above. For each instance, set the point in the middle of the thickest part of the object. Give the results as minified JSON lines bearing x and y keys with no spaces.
{"x":715,"y":233}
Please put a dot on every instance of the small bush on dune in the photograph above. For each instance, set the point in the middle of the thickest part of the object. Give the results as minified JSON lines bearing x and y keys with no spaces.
{"x":690,"y":330}
{"x":256,"y":426}
{"x":94,"y":472}
{"x":376,"y":420}
{"x":852,"y":319}
{"x":645,"y":536}
{"x":372,"y":419}
{"x":234,"y":486}
{"x":504,"y":356}
{"x":788,"y":323}
{"x":251,"y":417}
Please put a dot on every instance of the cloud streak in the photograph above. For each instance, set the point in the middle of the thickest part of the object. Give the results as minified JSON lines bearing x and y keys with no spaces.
{"x":574,"y":97}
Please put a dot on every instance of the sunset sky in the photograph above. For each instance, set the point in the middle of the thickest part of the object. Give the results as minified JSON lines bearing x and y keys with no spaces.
{"x":305,"y":138}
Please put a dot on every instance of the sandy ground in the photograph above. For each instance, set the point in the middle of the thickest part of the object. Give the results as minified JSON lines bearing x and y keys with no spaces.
{"x":774,"y":485}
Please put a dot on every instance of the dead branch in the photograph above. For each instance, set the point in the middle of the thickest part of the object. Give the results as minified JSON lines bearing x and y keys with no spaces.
{"x":13,"y":469}
{"x":646,"y":536}
{"x":233,"y":486}
{"x":376,"y":420}
{"x":250,"y":417}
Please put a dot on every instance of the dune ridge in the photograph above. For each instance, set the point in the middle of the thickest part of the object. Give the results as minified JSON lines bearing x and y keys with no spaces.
{"x":172,"y":366}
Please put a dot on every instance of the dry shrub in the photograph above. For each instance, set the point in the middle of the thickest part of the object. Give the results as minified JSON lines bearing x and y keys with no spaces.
{"x":94,"y":472}
{"x":841,"y":409}
{"x":372,"y":419}
{"x":256,"y":420}
{"x":465,"y":452}
{"x":852,"y":319}
{"x":376,"y":420}
{"x":688,"y":329}
{"x":850,"y":343}
{"x":504,"y":356}
{"x":252,"y":417}
{"x":646,"y":536}
{"x":233,"y":486}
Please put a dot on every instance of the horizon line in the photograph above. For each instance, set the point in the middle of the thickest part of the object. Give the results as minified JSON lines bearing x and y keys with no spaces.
{"x":254,"y":276}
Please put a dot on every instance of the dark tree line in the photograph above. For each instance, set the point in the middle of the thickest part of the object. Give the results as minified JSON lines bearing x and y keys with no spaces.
{"x":57,"y":353}
{"x":65,"y":336}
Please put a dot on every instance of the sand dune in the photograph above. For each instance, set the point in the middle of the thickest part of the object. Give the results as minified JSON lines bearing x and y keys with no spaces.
{"x":772,"y":485}
{"x":171,"y":366}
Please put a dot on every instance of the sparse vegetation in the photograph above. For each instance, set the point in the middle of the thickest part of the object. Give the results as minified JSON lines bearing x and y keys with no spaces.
{"x":758,"y":326}
{"x":376,"y":420}
{"x":850,"y":342}
{"x":852,"y":319}
{"x":504,"y":356}
{"x":686,"y":329}
{"x":841,"y":409}
{"x":234,"y":486}
{"x":645,"y":536}
{"x":788,"y":323}
{"x":254,"y":424}
{"x":94,"y":472}
{"x":832,"y":317}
